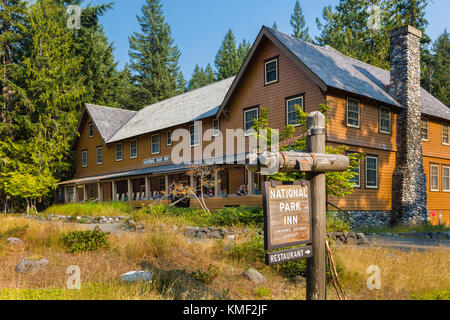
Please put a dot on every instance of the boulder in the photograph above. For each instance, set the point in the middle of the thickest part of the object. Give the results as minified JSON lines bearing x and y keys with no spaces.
{"x":14,"y":241}
{"x":136,"y":276}
{"x":254,"y":276}
{"x":32,"y":264}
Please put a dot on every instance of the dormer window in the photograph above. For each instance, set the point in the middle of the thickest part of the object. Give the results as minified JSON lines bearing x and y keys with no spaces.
{"x":91,"y":130}
{"x":271,"y":71}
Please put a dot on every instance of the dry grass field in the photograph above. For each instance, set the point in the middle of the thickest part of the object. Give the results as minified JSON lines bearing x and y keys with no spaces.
{"x":164,"y":250}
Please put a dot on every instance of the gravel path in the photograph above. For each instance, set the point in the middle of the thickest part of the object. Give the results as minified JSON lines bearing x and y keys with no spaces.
{"x":407,"y":243}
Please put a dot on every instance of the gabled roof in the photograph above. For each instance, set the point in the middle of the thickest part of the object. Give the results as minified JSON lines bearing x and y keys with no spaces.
{"x":108,"y":120}
{"x":326,"y":66}
{"x":188,"y":107}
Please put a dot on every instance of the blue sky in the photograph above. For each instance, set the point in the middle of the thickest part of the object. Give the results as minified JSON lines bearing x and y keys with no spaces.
{"x":198,"y":26}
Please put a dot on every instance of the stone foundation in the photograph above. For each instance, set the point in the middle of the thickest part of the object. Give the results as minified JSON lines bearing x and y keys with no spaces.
{"x":361,"y":219}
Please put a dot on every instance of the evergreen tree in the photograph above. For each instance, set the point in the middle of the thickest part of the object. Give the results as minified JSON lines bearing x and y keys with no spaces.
{"x":298,"y":23}
{"x":198,"y":79}
{"x":181,"y":83}
{"x":154,"y":57}
{"x":440,"y":83}
{"x":210,"y":77}
{"x":227,"y":58}
{"x":243,"y":50}
{"x":275,"y":26}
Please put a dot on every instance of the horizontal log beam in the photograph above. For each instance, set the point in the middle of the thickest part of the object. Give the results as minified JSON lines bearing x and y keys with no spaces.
{"x":269,"y":163}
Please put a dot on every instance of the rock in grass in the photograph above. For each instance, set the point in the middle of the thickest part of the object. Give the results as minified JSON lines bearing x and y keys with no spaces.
{"x":31,"y":264}
{"x":14,"y":241}
{"x":254,"y":276}
{"x":136,"y":276}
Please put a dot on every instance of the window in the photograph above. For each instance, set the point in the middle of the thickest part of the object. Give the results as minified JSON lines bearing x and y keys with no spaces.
{"x":91,"y":188}
{"x":84,"y":158}
{"x":133,"y":149}
{"x":155,"y":144}
{"x":425,"y":129}
{"x":371,"y":172}
{"x":291,"y":111}
{"x":434,"y":177}
{"x":194,"y":140}
{"x":446,"y":179}
{"x":216,"y":127}
{"x":162,"y":184}
{"x":91,"y":130}
{"x":445,"y":134}
{"x":99,"y":155}
{"x":385,"y":120}
{"x":169,"y":138}
{"x":249,"y":119}
{"x":356,"y":180}
{"x":119,"y":152}
{"x":353,"y":109}
{"x":271,"y":71}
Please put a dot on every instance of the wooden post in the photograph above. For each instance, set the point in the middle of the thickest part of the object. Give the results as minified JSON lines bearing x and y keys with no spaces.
{"x":216,"y":183}
{"x":316,"y":266}
{"x":147,"y":188}
{"x":166,"y":181}
{"x":76,"y":195}
{"x":130,"y":189}
{"x":250,"y":182}
{"x":86,"y":193}
{"x":114,"y":191}
{"x":66,"y":194}
{"x":100,"y":191}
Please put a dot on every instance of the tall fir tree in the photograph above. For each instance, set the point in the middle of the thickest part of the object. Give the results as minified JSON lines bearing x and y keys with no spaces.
{"x":198,"y":79}
{"x":154,"y":57}
{"x":298,"y":23}
{"x":230,"y":57}
{"x":210,"y":76}
{"x":440,"y":80}
{"x":227,"y":59}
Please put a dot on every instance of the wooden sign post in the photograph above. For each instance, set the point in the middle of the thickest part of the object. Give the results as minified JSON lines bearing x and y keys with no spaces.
{"x":291,"y":218}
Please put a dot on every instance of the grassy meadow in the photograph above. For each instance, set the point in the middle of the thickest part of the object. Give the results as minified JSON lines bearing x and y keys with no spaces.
{"x":186,"y":269}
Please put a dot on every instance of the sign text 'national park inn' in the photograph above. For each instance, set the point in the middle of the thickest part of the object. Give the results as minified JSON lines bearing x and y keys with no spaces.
{"x":287,"y":214}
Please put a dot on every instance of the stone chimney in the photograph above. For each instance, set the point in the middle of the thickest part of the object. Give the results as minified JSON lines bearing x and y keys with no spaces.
{"x":409,"y":183}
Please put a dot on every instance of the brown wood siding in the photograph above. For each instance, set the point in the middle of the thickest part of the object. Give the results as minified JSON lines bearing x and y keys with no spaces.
{"x":437,"y":200}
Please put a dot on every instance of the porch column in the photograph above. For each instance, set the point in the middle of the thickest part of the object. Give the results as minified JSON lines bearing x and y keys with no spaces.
{"x":86,"y":193}
{"x":251,"y":185}
{"x":216,"y":183}
{"x":66,"y":194}
{"x":191,"y":181}
{"x":76,"y":197}
{"x":166,"y":178}
{"x":100,"y":191}
{"x":147,"y":188}
{"x":130,"y":189}
{"x":113,"y":191}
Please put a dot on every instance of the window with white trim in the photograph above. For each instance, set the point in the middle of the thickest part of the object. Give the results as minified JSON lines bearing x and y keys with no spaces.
{"x":155,"y":144}
{"x":119,"y":152}
{"x":99,"y":155}
{"x":353,"y":113}
{"x":445,"y":179}
{"x":84,"y":158}
{"x":445,"y":134}
{"x":250,"y":116}
{"x":133,"y":149}
{"x":291,"y":111}
{"x":371,"y":172}
{"x":194,"y":137}
{"x":425,"y":129}
{"x":271,"y":71}
{"x":216,"y":127}
{"x":434,"y":177}
{"x":91,"y":130}
{"x":169,"y":138}
{"x":385,"y":120}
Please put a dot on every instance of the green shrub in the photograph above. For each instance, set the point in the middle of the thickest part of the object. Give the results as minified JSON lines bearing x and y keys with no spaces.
{"x":251,"y":251}
{"x":263,"y":292}
{"x":16,"y":232}
{"x":82,"y":241}
{"x":242,"y":215}
{"x":433,"y":295}
{"x":193,"y":216}
{"x":206,"y":277}
{"x":335,"y":223}
{"x":90,"y":209}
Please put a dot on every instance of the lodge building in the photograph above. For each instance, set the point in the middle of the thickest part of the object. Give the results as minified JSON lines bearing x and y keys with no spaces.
{"x":125,"y":155}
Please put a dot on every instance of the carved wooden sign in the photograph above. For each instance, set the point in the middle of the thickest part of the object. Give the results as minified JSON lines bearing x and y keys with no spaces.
{"x":287,"y":214}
